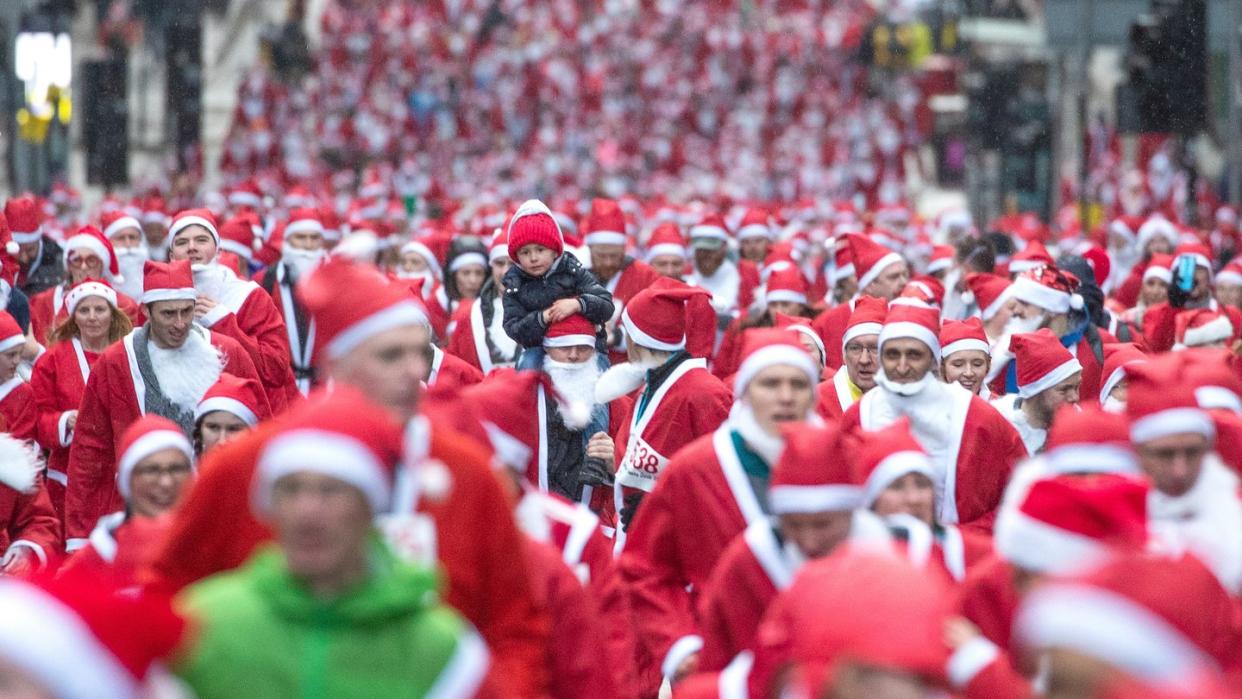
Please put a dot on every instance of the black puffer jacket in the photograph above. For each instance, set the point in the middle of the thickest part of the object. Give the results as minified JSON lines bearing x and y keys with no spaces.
{"x":526,"y":297}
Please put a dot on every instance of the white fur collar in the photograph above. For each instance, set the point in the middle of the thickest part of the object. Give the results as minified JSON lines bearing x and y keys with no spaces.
{"x":742,"y":419}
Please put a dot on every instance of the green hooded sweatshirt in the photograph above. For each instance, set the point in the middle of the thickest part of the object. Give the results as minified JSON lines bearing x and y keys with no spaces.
{"x":257,"y":632}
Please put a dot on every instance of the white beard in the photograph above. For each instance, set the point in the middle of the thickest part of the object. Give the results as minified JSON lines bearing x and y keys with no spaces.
{"x":742,"y":419}
{"x":187,"y":372}
{"x":301,"y":261}
{"x":424,"y":274}
{"x":1112,"y":405}
{"x":211,"y":280}
{"x":620,"y":380}
{"x":496,"y":333}
{"x":129,"y":262}
{"x":575,"y":381}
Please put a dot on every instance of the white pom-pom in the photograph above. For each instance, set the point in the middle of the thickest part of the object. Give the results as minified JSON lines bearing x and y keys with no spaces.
{"x":1076,"y":302}
{"x":434,"y":479}
{"x":576,"y":415}
{"x":968,"y":298}
{"x":118,"y":278}
{"x":12,"y":247}
{"x":19,"y":464}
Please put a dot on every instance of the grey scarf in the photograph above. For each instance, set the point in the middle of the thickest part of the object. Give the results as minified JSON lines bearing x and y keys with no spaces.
{"x":155,"y":400}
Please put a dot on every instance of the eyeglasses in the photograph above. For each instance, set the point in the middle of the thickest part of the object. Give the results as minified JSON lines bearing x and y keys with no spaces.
{"x":154,"y":473}
{"x":854,"y":350}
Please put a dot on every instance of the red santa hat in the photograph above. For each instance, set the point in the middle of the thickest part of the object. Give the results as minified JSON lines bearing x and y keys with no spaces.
{"x":499,"y":247}
{"x":963,"y":335}
{"x":1159,"y":267}
{"x":237,"y":236}
{"x":666,"y":239}
{"x":1210,"y":371}
{"x":304,"y":221}
{"x":1200,"y":253}
{"x":941,"y":258}
{"x":505,"y":405}
{"x":114,"y":222}
{"x":1033,"y":256}
{"x":420,"y":248}
{"x":842,"y":263}
{"x":1201,"y":326}
{"x":888,"y":454}
{"x":351,"y":303}
{"x":340,"y":434}
{"x":11,"y":334}
{"x":1156,"y":226}
{"x":870,"y":258}
{"x":786,"y":284}
{"x":1118,"y":356}
{"x":1231,"y":274}
{"x":922,"y":291}
{"x":167,"y":281}
{"x":247,"y":194}
{"x":801,"y":327}
{"x":87,"y":288}
{"x":656,"y":317}
{"x":92,"y":240}
{"x":1152,"y":618}
{"x":768,"y":347}
{"x":231,"y":394}
{"x":922,"y":324}
{"x":605,"y":224}
{"x":1067,"y":524}
{"x":194,"y":217}
{"x":1043,"y":362}
{"x":867,"y":318}
{"x":990,"y":292}
{"x":75,"y":617}
{"x":155,"y":210}
{"x":533,"y":223}
{"x":1047,"y":288}
{"x":710,"y":226}
{"x":148,"y":435}
{"x":1160,"y":402}
{"x":573,"y":331}
{"x":755,"y":223}
{"x":804,"y":482}
{"x":1088,"y":439}
{"x":25,"y":219}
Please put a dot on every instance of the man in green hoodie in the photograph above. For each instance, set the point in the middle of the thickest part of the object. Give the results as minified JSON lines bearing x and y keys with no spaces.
{"x":328,"y":610}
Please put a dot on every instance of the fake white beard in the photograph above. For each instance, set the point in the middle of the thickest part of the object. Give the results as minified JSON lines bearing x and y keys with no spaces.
{"x":496,"y":333}
{"x":620,"y":380}
{"x":301,"y":261}
{"x":742,"y":419}
{"x":187,"y":372}
{"x":576,"y":384}
{"x":905,"y":390}
{"x":1112,"y":405}
{"x":129,"y":262}
{"x":1019,"y":326}
{"x":211,"y":279}
{"x":422,"y":274}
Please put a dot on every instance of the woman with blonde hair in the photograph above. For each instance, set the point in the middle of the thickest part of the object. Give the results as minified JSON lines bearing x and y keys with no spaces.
{"x":93,"y":322}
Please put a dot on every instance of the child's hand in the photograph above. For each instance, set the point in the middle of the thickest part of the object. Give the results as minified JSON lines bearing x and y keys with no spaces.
{"x":561,"y":309}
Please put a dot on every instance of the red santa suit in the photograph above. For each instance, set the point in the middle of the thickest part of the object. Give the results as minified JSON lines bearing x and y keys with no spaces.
{"x":119,"y":548}
{"x":58,"y":382}
{"x":451,"y":372}
{"x":28,"y":519}
{"x":834,"y":396}
{"x":18,"y":415}
{"x":48,"y":309}
{"x":114,"y":398}
{"x":299,"y":330}
{"x":633,"y":277}
{"x":473,"y":339}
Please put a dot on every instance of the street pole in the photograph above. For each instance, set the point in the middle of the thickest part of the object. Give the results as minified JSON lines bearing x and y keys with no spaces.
{"x":1234,"y":36}
{"x":1084,"y":89}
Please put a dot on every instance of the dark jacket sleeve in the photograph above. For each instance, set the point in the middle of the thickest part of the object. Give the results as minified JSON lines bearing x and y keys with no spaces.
{"x":525,"y":327}
{"x":595,"y":299}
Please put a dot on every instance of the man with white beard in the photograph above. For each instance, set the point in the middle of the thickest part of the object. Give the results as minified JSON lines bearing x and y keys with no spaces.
{"x":972,"y":446}
{"x":235,"y":307}
{"x":130,"y":246}
{"x":302,"y":248}
{"x":162,"y":367}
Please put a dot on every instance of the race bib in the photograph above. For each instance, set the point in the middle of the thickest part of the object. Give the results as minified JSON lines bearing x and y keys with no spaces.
{"x":641,"y":466}
{"x":411,"y":536}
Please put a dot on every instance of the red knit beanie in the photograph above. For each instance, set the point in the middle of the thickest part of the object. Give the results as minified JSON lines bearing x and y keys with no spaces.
{"x":533,"y":223}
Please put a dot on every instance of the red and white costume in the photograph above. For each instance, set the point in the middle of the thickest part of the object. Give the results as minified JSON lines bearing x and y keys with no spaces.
{"x":48,"y":309}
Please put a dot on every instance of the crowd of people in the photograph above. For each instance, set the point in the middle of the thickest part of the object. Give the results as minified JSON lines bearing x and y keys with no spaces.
{"x":727,"y":448}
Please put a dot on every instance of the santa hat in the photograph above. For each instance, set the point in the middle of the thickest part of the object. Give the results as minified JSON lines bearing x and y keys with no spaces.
{"x":340,"y":434}
{"x":499,"y":247}
{"x":990,"y":292}
{"x":941,"y":258}
{"x":155,"y":210}
{"x":888,"y":454}
{"x":1159,"y":267}
{"x":298,"y":197}
{"x":1070,"y":523}
{"x":237,"y":236}
{"x":231,"y":394}
{"x":1161,"y":402}
{"x":804,"y":482}
{"x":1226,"y":215}
{"x":914,"y":322}
{"x":1200,"y":253}
{"x":11,"y":334}
{"x":351,"y":303}
{"x":145,"y":436}
{"x":194,"y":217}
{"x":870,"y":258}
{"x":666,"y":239}
{"x":605,"y":224}
{"x":1047,"y":288}
{"x":533,"y":223}
{"x":87,"y":288}
{"x":1210,"y":371}
{"x":114,"y":222}
{"x":768,"y":347}
{"x":1152,"y":618}
{"x":304,"y":221}
{"x":420,"y":248}
{"x":76,"y":618}
{"x":246,"y":194}
{"x":505,"y":405}
{"x":1033,"y":256}
{"x":755,"y":223}
{"x":1118,"y":356}
{"x":963,"y":335}
{"x":711,"y":226}
{"x":867,"y":318}
{"x":802,"y":327}
{"x":572,"y":331}
{"x":786,"y":284}
{"x":656,"y":317}
{"x":25,"y":219}
{"x":92,"y":240}
{"x":1088,"y":439}
{"x":1043,"y":362}
{"x":1098,"y":260}
{"x":922,"y":291}
{"x":842,"y":263}
{"x":1156,"y":226}
{"x":1201,"y":326}
{"x":167,"y":281}
{"x":1231,"y":274}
